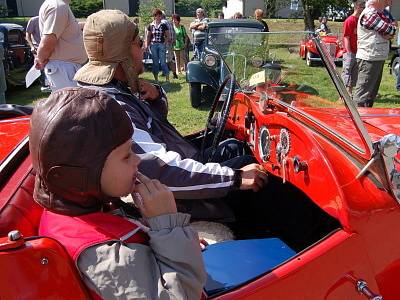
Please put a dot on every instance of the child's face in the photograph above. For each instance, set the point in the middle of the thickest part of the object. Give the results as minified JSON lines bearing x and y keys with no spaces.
{"x":120,"y":171}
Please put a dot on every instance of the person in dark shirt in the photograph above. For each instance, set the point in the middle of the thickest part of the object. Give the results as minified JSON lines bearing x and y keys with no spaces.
{"x":157,"y":38}
{"x":258,"y":14}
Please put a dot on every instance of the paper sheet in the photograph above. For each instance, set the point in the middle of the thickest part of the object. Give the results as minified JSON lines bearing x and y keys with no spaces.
{"x":31,"y":76}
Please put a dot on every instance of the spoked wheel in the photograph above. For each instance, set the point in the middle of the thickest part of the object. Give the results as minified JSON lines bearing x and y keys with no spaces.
{"x":216,"y":121}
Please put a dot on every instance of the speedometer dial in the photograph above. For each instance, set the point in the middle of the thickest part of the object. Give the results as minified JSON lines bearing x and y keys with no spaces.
{"x":264,"y":143}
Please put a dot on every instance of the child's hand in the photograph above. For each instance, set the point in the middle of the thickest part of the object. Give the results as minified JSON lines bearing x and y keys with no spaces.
{"x":157,"y":199}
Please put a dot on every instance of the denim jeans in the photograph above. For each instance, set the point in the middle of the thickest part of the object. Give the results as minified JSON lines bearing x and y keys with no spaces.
{"x":158,"y":53}
{"x":198,"y":48}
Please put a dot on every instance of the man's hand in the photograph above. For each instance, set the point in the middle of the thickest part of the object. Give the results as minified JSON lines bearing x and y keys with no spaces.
{"x":156,"y":198}
{"x":148,"y":91}
{"x":40,"y":64}
{"x":254,"y":177}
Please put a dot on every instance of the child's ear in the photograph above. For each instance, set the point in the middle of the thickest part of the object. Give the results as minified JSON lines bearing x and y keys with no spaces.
{"x":68,"y":178}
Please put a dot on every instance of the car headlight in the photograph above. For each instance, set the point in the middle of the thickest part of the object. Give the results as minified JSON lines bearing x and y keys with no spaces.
{"x":210,"y":60}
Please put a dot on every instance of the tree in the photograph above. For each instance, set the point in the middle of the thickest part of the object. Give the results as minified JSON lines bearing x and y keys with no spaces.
{"x":84,"y":8}
{"x":211,"y":6}
{"x":187,"y":8}
{"x":315,"y":8}
{"x":146,"y":9}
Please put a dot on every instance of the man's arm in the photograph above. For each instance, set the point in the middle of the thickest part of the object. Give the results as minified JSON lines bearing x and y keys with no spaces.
{"x":28,"y":37}
{"x":346,"y":44}
{"x":47,"y":45}
{"x":373,"y":21}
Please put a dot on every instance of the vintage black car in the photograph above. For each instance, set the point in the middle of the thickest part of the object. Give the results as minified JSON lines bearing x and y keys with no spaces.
{"x":395,"y":63}
{"x":17,"y":55}
{"x":208,"y":70}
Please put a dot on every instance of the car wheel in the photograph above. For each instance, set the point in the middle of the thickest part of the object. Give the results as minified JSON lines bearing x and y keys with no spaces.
{"x":310,"y":62}
{"x":396,"y":66}
{"x":195,"y":94}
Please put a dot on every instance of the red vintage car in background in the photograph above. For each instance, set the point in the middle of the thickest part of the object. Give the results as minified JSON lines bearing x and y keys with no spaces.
{"x":309,"y":52}
{"x":327,"y":225}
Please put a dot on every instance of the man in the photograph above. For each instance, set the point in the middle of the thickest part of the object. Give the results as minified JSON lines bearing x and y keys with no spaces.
{"x":375,"y":29}
{"x":350,"y":71}
{"x":258,"y":14}
{"x":33,"y":38}
{"x":198,"y":27}
{"x":398,"y":74}
{"x":169,"y":55}
{"x":61,"y":52}
{"x":165,"y":154}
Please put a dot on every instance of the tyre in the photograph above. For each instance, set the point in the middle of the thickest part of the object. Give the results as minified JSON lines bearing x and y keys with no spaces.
{"x":309,"y":60}
{"x":396,"y":66}
{"x":195,"y":94}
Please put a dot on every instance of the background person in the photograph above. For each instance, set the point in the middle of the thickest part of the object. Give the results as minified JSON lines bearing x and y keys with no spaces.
{"x":157,"y":37}
{"x":350,"y":70}
{"x":374,"y":30}
{"x":32,"y":36}
{"x":258,"y":14}
{"x":180,"y":43}
{"x":198,"y":28}
{"x":398,"y":74}
{"x":169,"y":45}
{"x":60,"y":52}
{"x":237,"y":15}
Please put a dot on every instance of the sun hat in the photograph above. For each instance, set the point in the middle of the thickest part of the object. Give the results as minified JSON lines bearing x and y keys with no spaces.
{"x":71,"y":134}
{"x":107,"y":36}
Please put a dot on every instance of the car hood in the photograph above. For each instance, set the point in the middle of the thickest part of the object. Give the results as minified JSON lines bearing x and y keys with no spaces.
{"x":12,"y":133}
{"x":377,"y":121}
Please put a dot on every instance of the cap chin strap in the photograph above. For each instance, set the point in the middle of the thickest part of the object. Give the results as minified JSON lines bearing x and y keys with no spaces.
{"x":131,"y":75}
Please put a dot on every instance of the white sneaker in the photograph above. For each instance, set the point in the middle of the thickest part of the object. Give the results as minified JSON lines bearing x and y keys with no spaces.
{"x":45,"y":89}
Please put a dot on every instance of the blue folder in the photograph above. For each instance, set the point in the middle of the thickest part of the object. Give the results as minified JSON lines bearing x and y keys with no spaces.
{"x":233,"y":263}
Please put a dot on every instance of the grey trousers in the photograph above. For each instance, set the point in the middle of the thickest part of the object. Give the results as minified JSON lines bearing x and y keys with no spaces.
{"x":368,"y":82}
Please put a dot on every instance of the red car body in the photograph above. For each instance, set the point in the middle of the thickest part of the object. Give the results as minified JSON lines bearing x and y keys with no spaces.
{"x":309,"y":52}
{"x":339,"y":172}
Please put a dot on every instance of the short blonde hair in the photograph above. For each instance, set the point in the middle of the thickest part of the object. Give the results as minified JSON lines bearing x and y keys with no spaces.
{"x":258,"y":12}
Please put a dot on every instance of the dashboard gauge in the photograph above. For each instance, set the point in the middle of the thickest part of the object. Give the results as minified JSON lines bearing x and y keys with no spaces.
{"x":264,"y":143}
{"x":284,"y":141}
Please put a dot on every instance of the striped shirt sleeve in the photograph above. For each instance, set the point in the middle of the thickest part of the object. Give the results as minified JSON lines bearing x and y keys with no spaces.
{"x":372,"y":20}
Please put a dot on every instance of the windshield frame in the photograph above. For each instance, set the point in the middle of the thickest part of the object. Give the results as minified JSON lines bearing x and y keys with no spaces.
{"x":366,"y":151}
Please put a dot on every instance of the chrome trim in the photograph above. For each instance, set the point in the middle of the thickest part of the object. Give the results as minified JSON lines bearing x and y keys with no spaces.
{"x":15,"y":120}
{"x":13,"y":154}
{"x":389,"y":147}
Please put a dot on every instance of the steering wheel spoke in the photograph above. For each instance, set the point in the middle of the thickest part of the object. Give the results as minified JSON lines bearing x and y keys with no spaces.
{"x":216,"y":121}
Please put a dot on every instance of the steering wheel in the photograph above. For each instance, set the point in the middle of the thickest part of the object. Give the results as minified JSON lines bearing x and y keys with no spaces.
{"x":216,"y":122}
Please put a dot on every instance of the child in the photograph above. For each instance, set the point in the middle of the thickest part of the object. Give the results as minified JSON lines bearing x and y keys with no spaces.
{"x":80,"y":143}
{"x":350,"y":70}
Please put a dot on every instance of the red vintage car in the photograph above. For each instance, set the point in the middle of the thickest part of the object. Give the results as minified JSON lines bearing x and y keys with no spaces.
{"x":309,"y":52}
{"x":326,"y":226}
